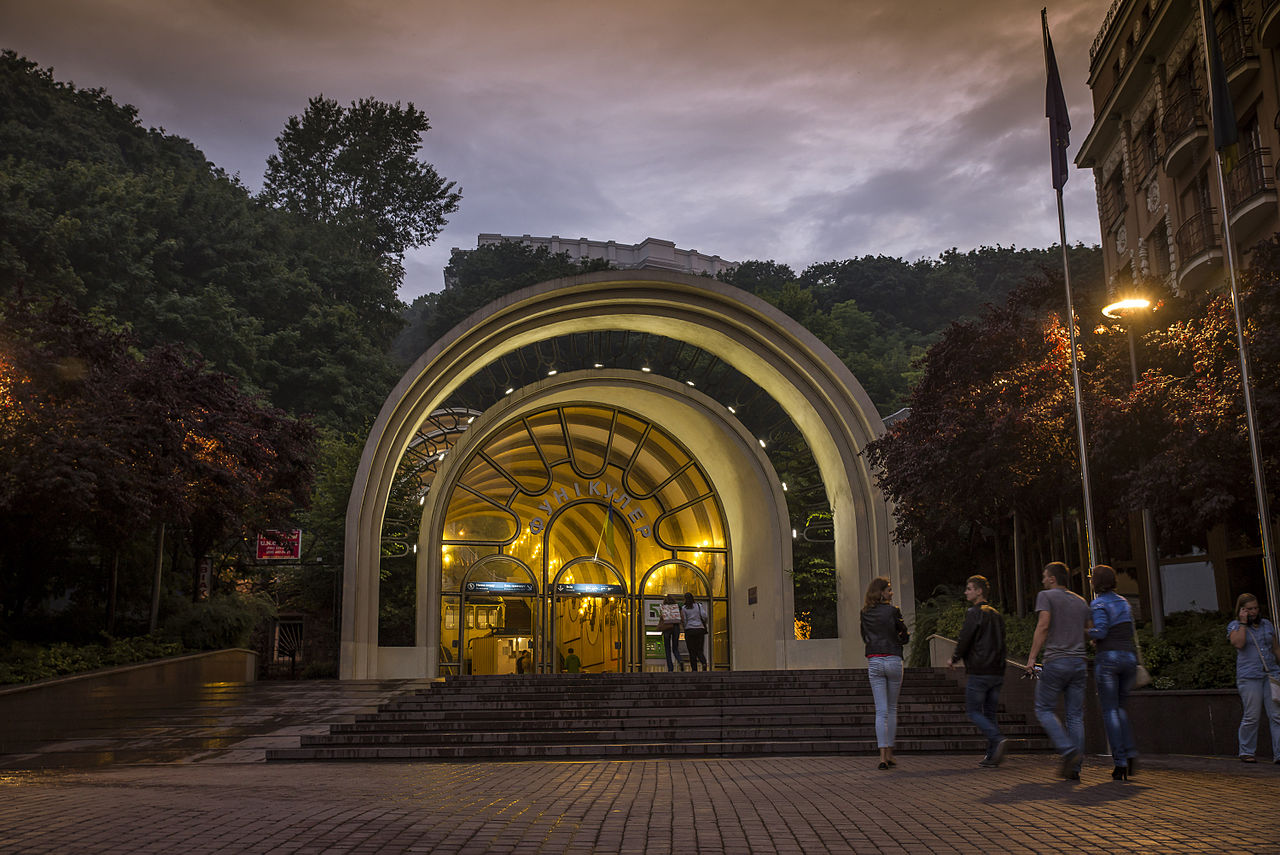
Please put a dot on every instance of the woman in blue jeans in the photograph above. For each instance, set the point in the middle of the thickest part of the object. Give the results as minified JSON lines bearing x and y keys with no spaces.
{"x":884,"y":633}
{"x":1257,"y":659}
{"x":1115,"y":666}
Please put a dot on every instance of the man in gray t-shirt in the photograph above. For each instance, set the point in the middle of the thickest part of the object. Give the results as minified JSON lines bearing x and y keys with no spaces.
{"x":1061,"y":619}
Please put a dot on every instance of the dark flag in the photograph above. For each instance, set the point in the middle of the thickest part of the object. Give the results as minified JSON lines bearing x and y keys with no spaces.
{"x":1225,"y":133}
{"x":1055,"y":107}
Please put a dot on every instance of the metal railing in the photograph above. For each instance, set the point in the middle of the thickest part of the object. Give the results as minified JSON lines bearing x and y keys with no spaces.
{"x":1251,"y":176}
{"x":1236,"y":39}
{"x":1185,"y":113}
{"x":1197,"y":234}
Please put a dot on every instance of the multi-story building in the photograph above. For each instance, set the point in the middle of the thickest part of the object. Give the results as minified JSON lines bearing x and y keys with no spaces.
{"x":650,"y":254}
{"x":1162,"y":210}
{"x":1151,"y":145}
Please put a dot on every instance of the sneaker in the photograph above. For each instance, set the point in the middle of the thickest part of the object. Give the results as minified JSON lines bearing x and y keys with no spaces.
{"x":988,"y":762}
{"x":1070,"y":761}
{"x":1001,"y":749}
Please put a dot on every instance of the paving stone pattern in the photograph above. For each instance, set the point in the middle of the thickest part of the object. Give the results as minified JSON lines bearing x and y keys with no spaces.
{"x":929,"y":804}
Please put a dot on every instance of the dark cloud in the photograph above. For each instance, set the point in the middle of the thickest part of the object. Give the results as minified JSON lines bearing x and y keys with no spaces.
{"x":798,"y":131}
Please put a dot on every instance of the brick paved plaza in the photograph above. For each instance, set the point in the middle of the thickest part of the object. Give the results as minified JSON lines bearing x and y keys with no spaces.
{"x":930,"y":804}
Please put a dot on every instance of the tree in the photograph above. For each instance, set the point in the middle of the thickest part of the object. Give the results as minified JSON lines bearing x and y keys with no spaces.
{"x":137,"y":225}
{"x":357,"y":168}
{"x":100,"y":441}
{"x":476,"y":278}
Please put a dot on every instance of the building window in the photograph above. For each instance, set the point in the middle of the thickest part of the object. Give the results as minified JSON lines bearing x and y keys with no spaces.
{"x":1146,"y":147}
{"x":1114,"y":198}
{"x":1158,"y":262}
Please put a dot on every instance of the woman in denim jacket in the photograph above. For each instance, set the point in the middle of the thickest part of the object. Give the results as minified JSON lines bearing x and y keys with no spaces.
{"x":1257,"y":652}
{"x":1115,"y":666}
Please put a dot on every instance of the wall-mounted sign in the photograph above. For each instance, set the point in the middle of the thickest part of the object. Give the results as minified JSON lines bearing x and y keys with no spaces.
{"x":500,"y":588}
{"x":280,"y":545}
{"x":583,"y":589}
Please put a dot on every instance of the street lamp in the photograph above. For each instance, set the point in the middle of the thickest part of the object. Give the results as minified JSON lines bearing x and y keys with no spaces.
{"x":1124,"y":311}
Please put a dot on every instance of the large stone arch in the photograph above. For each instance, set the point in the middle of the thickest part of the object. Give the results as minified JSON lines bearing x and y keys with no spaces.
{"x":817,"y":391}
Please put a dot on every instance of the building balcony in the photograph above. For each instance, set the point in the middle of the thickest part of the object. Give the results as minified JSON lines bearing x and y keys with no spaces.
{"x":1239,"y":57}
{"x":1269,"y":24}
{"x":1185,"y":130}
{"x":1251,"y":190}
{"x":1199,"y":250}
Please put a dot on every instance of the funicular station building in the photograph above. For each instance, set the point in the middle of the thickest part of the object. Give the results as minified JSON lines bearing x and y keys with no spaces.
{"x":559,"y":462}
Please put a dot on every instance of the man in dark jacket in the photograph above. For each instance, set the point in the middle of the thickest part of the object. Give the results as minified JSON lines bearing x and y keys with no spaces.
{"x":982,"y":648}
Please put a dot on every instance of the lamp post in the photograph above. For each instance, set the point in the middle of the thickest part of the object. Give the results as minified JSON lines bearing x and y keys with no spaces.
{"x":1124,"y":311}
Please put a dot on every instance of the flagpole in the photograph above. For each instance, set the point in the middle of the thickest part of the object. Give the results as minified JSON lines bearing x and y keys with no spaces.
{"x":1055,"y":102}
{"x":1218,"y":111}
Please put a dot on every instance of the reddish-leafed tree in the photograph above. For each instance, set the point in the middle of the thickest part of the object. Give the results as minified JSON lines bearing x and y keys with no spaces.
{"x":100,"y":442}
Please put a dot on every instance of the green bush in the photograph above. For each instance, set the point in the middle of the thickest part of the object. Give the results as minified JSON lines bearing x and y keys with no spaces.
{"x":943,"y":614}
{"x":1191,"y":653}
{"x":219,"y":622}
{"x":22,"y":662}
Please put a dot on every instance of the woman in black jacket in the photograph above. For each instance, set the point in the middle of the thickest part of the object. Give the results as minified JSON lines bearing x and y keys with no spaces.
{"x":884,"y":633}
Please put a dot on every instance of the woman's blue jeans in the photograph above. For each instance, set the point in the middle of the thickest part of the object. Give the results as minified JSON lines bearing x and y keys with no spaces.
{"x":1255,"y":698}
{"x":1114,"y":672}
{"x":885,"y":673}
{"x":671,"y":641}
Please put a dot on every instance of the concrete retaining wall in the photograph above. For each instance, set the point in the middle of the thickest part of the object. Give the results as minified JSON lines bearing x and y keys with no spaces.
{"x":1165,"y":721}
{"x":49,"y":709}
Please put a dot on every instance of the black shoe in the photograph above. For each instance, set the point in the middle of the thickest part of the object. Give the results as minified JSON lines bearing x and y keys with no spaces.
{"x":883,"y":766}
{"x":1131,"y":767}
{"x":988,"y":762}
{"x":1069,"y":762}
{"x":891,"y":763}
{"x":1119,"y":773}
{"x":1247,"y":758}
{"x":997,"y":754}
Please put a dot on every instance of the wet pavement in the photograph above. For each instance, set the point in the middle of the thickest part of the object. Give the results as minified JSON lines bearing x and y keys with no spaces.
{"x":194,"y":780}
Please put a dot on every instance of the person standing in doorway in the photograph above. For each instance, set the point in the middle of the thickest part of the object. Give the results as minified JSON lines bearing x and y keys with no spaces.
{"x":884,"y":633}
{"x":694,"y":616}
{"x":572,"y":664}
{"x":669,"y":612}
{"x":1061,"y":618}
{"x":982,"y":649}
{"x":1257,"y":659}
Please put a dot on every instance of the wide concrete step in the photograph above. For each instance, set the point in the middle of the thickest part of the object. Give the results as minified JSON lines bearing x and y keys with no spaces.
{"x":712,"y":748}
{"x":630,"y":719}
{"x":664,"y":714}
{"x":605,"y":735}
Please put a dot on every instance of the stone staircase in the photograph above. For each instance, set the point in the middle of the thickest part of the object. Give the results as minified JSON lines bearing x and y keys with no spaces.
{"x":715,"y":714}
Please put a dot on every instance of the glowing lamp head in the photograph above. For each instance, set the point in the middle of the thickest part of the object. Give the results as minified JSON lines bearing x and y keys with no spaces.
{"x":1122,"y":308}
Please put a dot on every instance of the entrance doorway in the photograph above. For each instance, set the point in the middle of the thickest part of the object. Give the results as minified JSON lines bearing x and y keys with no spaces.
{"x":590,"y":618}
{"x":562,"y":528}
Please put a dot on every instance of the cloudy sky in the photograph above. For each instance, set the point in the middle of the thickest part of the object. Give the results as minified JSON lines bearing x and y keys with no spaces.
{"x":798,"y":131}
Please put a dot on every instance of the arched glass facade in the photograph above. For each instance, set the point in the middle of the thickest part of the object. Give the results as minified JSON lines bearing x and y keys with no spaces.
{"x":563,"y":533}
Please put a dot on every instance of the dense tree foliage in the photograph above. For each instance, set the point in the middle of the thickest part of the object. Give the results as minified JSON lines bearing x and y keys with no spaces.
{"x":139,"y":226}
{"x":992,"y":426}
{"x":158,"y":313}
{"x":477,"y":278}
{"x":100,"y":442}
{"x":880,"y":314}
